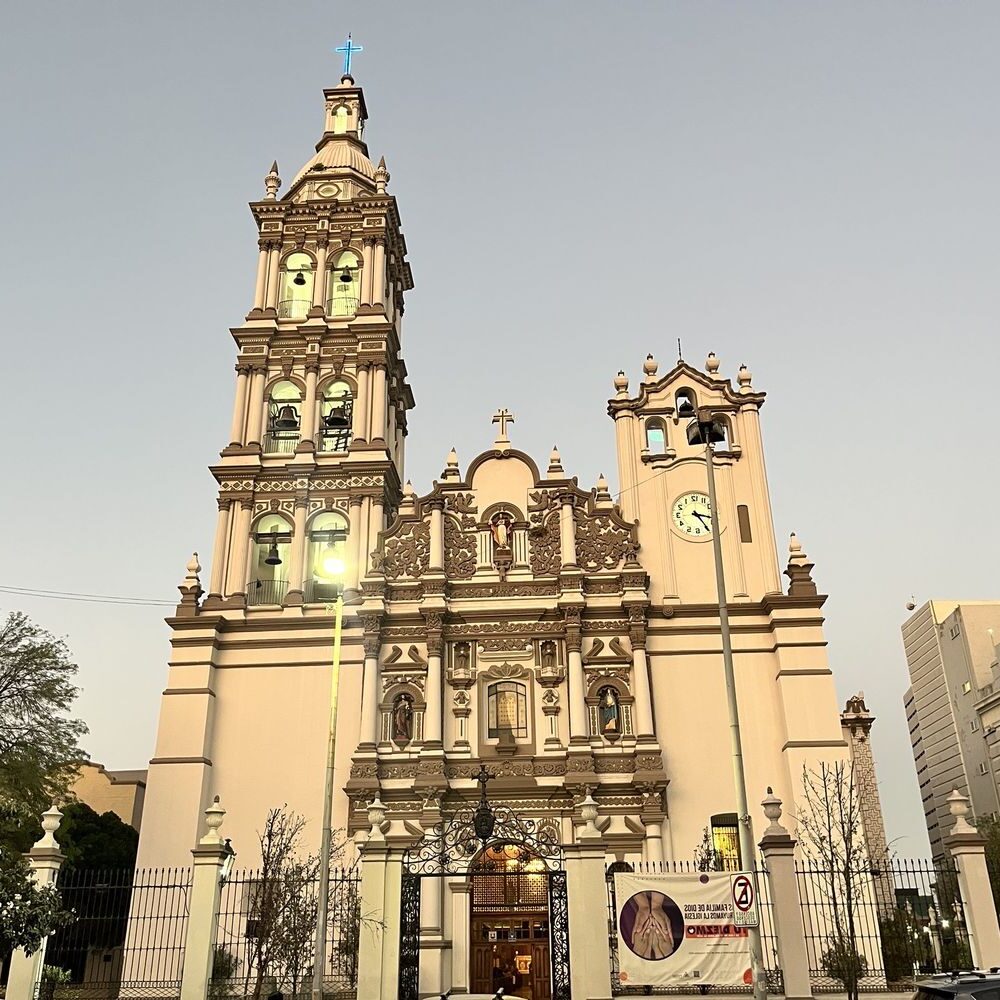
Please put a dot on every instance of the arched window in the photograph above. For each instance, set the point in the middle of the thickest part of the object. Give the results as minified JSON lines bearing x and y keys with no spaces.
{"x":726,"y":841}
{"x":507,"y":709}
{"x":725,"y":441}
{"x":327,"y":557}
{"x":296,"y":293}
{"x":272,"y":540}
{"x":336,"y":417}
{"x":284,"y":413}
{"x":686,"y":402}
{"x":656,"y":436}
{"x":341,"y":119}
{"x":345,"y":285}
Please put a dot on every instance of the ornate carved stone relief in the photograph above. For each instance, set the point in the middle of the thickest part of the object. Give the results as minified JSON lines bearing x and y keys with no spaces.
{"x":545,"y":555}
{"x":601,"y":543}
{"x":408,"y":553}
{"x":460,"y":550}
{"x":463,"y":505}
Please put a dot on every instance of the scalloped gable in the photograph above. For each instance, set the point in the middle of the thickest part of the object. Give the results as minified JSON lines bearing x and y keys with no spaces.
{"x":682,"y":370}
{"x":498,"y":477}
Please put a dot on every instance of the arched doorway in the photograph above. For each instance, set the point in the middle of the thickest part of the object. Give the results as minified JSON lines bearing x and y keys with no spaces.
{"x":519,"y":917}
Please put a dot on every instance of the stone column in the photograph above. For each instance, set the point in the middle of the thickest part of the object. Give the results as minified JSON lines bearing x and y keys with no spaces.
{"x":567,"y":531}
{"x":460,"y":935}
{"x":653,"y":845}
{"x":217,"y":578}
{"x":255,"y":418}
{"x":378,"y":275}
{"x":367,"y":268}
{"x":376,"y":522}
{"x":578,"y":723}
{"x":296,"y":567}
{"x":378,"y":391}
{"x":778,"y":850}
{"x":967,"y":847}
{"x":369,"y":693}
{"x":432,"y":692}
{"x":261,"y":284}
{"x":271,"y":296}
{"x":209,"y":856}
{"x":307,"y":440}
{"x":640,"y":672}
{"x":587,"y":892}
{"x":364,"y":549}
{"x":319,"y":283}
{"x":360,"y":419}
{"x":436,"y":556}
{"x":239,"y":407}
{"x":45,"y":858}
{"x":353,"y":568}
{"x":239,"y":544}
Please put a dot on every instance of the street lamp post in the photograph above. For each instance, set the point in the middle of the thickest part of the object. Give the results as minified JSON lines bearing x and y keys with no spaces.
{"x":707,"y":431}
{"x":332,"y":568}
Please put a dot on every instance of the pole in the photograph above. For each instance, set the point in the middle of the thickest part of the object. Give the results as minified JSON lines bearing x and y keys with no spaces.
{"x":322,"y":903}
{"x":736,"y":741}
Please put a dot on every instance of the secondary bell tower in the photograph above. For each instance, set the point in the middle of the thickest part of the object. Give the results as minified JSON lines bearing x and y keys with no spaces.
{"x":310,"y":474}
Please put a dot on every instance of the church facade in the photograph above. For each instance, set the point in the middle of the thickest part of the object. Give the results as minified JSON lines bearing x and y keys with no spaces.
{"x":566,"y":638}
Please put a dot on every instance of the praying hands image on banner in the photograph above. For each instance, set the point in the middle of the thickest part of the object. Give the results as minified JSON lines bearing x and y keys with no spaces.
{"x":652,"y":925}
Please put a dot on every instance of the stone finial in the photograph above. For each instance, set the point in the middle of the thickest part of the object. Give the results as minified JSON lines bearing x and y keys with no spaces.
{"x":711,"y":363}
{"x":190,"y":588}
{"x":214,"y":815}
{"x":588,"y":813}
{"x":272,"y":182}
{"x":376,"y":818}
{"x":51,"y":819}
{"x":193,"y":569}
{"x":621,"y":383}
{"x":799,"y":570}
{"x":772,"y":810}
{"x":381,"y":176}
{"x":406,"y":501}
{"x":958,"y":806}
{"x":744,"y":377}
{"x":451,"y":466}
{"x":602,"y":496}
{"x":650,"y":367}
{"x":555,"y":470}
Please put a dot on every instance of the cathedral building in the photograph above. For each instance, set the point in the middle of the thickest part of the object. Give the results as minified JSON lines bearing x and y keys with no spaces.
{"x":567,"y":637}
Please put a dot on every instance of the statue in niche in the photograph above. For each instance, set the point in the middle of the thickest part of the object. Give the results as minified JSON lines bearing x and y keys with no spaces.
{"x":402,"y":719}
{"x":609,"y":712}
{"x":502,"y":530}
{"x":462,"y":658}
{"x":548,"y":655}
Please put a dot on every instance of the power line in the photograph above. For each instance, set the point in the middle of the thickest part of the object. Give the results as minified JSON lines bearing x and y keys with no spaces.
{"x":68,"y":595}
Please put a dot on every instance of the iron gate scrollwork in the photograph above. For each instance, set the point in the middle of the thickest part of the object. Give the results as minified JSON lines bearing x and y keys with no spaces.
{"x":454,"y":848}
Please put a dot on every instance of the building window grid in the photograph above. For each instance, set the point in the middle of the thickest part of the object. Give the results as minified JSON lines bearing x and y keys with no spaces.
{"x":507,"y":710}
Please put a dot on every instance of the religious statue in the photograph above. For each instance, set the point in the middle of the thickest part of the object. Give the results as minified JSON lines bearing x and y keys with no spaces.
{"x":402,"y":719}
{"x":462,"y":658}
{"x":608,"y":712}
{"x":548,"y":655}
{"x":502,"y":529}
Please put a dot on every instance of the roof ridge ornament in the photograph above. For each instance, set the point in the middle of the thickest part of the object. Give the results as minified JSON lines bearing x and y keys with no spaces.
{"x":503,"y":418}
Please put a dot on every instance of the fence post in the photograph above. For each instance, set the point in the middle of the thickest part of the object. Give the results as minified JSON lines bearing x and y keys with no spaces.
{"x":586,"y":891}
{"x":376,"y":924}
{"x":967,"y":847}
{"x":45,"y":858}
{"x":209,"y":857}
{"x":778,"y":849}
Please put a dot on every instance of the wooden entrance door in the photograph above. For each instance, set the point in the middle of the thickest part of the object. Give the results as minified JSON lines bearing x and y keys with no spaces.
{"x":512,"y":950}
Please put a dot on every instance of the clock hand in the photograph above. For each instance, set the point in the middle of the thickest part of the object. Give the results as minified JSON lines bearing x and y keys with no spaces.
{"x":701,"y":517}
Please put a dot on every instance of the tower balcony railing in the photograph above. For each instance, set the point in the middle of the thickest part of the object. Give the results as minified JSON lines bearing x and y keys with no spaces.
{"x":321,"y":591}
{"x":280,"y":442}
{"x":342,"y":305}
{"x":266,"y":591}
{"x":294,"y":308}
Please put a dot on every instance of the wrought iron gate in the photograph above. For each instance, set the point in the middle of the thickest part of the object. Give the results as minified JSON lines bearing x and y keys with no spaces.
{"x":454,"y":848}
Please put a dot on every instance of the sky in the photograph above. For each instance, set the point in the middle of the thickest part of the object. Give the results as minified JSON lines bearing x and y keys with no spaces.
{"x":806,"y":188}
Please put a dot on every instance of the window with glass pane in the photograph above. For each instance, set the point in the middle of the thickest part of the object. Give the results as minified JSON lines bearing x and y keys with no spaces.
{"x":726,"y":840}
{"x":507,"y":705}
{"x":327,"y":557}
{"x":656,"y":437}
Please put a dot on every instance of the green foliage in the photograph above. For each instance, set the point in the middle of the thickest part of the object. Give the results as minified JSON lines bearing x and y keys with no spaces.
{"x":843,"y":961}
{"x":55,"y":974}
{"x":707,"y":858}
{"x":39,"y":741}
{"x":990,"y":830}
{"x":28,"y":912}
{"x":224,"y":965}
{"x":92,"y":841}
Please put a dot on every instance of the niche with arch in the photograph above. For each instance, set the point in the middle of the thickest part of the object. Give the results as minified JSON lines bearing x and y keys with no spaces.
{"x":270,"y":542}
{"x":336,"y":416}
{"x":609,"y":706}
{"x":326,"y":557}
{"x":656,"y":436}
{"x":344,"y":288}
{"x":284,"y":418}
{"x":402,"y":712}
{"x":295,"y":294}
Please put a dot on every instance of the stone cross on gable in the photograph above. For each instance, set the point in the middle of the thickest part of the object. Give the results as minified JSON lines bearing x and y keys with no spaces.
{"x":503,"y":417}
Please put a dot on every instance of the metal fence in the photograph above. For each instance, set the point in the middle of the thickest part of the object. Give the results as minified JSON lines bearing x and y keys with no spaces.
{"x":266,"y":935}
{"x":126,"y":938}
{"x":768,"y":940}
{"x":882,"y":925}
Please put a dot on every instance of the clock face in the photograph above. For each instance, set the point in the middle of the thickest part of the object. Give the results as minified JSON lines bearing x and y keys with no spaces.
{"x":691,"y":516}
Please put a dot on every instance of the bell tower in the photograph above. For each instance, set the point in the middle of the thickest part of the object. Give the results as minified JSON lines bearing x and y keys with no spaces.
{"x":321,"y":391}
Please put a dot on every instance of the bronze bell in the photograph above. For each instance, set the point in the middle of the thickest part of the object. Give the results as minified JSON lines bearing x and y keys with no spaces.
{"x":273,"y":559}
{"x":685,"y":408}
{"x":345,"y":277}
{"x":299,"y":279}
{"x":336,"y":417}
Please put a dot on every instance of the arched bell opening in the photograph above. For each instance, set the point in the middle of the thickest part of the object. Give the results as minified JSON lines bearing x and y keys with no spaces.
{"x":298,"y":272}
{"x":344,"y":287}
{"x":336,"y":416}
{"x":270,"y":547}
{"x":284,"y":418}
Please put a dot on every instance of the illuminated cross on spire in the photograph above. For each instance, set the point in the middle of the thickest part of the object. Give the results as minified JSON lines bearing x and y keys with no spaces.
{"x":348,"y":48}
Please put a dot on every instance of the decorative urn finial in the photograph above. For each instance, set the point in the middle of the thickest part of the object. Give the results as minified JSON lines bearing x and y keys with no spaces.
{"x":772,"y":810}
{"x":621,"y":383}
{"x":272,"y":182}
{"x":650,"y":367}
{"x":555,"y":470}
{"x":711,"y":363}
{"x":214,"y":815}
{"x":799,"y":569}
{"x":376,"y":818}
{"x":958,"y":806}
{"x":51,"y":819}
{"x":744,"y":377}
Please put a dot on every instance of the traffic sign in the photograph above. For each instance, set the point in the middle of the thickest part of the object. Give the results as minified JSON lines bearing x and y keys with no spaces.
{"x":745,"y":912}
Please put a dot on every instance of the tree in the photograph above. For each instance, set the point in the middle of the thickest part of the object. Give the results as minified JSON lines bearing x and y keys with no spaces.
{"x":707,"y":857}
{"x":28,"y":912}
{"x":989,"y":830}
{"x":39,"y":740}
{"x":832,"y":840}
{"x":91,"y":841}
